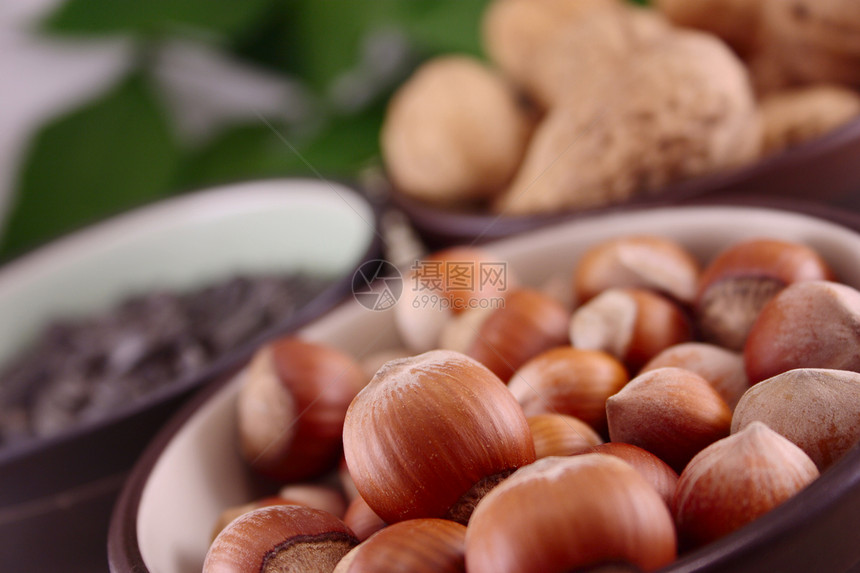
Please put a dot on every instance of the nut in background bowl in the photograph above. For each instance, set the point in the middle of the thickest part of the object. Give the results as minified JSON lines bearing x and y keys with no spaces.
{"x":193,"y":470}
{"x":824,"y":169}
{"x":56,"y":493}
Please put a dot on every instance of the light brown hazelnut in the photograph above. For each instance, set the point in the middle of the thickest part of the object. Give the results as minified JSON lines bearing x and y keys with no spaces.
{"x":736,"y":480}
{"x":722,"y":368}
{"x":813,"y":324}
{"x":817,"y":409}
{"x":671,"y":412}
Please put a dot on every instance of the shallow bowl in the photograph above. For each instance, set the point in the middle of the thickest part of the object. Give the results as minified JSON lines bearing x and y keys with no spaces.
{"x":192,"y":470}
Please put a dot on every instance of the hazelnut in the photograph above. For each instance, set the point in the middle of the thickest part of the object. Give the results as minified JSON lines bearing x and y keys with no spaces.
{"x":563,"y":514}
{"x":722,"y":368}
{"x":443,"y":285}
{"x":655,"y":471}
{"x":431,"y":434}
{"x":454,"y":133}
{"x":423,"y":545}
{"x":631,"y":324}
{"x":528,"y":323}
{"x":817,"y":409}
{"x":567,"y":380}
{"x":740,"y":280}
{"x":280,"y":538}
{"x":292,"y":405}
{"x":736,"y":480}
{"x":814,"y":324}
{"x":671,"y":412}
{"x":560,"y":435}
{"x":362,"y":520}
{"x":642,"y":261}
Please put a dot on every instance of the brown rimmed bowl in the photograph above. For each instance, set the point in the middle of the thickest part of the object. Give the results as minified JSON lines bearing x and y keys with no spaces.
{"x":824,"y":169}
{"x":192,"y":470}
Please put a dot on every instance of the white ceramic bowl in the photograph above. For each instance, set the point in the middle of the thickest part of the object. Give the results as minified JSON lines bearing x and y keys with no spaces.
{"x":56,"y":494}
{"x":193,"y":471}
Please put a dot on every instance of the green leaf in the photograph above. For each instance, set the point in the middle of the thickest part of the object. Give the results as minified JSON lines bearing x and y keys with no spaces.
{"x":445,"y":27}
{"x":114,"y":153}
{"x":259,"y":150}
{"x":219,"y":17}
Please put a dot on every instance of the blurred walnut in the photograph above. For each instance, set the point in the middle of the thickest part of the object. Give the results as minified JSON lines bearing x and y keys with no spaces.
{"x":682,"y":108}
{"x":455,"y":132}
{"x":518,"y":34}
{"x":795,"y":116}
{"x":735,"y":21}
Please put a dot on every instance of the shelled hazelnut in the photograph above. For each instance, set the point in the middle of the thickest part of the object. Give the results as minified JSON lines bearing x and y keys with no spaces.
{"x":755,"y":465}
{"x":817,"y":409}
{"x":671,"y":412}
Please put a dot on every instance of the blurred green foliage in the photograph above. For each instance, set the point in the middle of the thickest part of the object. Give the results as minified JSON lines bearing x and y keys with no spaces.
{"x":121,"y":150}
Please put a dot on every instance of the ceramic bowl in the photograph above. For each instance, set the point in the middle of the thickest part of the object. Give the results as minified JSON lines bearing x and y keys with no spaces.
{"x":56,"y":493}
{"x":192,"y":470}
{"x":824,"y":169}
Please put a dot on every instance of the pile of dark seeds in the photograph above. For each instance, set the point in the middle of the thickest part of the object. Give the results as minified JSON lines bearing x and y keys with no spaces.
{"x":84,"y":369}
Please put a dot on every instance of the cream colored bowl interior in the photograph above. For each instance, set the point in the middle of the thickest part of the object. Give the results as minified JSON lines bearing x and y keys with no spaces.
{"x":199,"y":473}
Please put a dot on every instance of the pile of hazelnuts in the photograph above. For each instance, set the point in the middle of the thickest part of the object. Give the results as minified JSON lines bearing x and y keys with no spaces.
{"x":648,"y":409}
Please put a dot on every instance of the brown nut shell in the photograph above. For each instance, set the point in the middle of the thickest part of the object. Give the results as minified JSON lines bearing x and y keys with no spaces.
{"x":567,"y":380}
{"x":560,"y":435}
{"x":814,"y":324}
{"x":280,"y":539}
{"x":292,"y":406}
{"x":641,"y":261}
{"x":817,"y":409}
{"x":424,"y":545}
{"x":634,"y":325}
{"x":671,"y":412}
{"x":529,"y":322}
{"x":655,"y":471}
{"x":736,"y":480}
{"x":362,"y":520}
{"x":739,"y":281}
{"x":722,"y":368}
{"x":430,"y":434}
{"x":566,"y":514}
